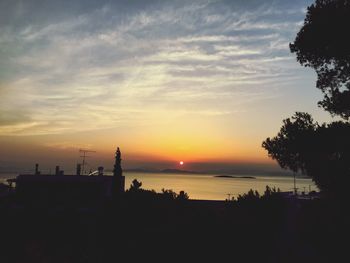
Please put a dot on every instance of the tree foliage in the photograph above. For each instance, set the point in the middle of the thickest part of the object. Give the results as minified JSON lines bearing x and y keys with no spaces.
{"x":323,"y":43}
{"x":172,"y":195}
{"x":254,"y":196}
{"x":182,"y":196}
{"x":135,"y":185}
{"x":290,"y":145}
{"x":320,"y":151}
{"x":136,"y":191}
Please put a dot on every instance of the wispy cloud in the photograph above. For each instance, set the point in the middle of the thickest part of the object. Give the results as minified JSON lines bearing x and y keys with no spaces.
{"x":97,"y":68}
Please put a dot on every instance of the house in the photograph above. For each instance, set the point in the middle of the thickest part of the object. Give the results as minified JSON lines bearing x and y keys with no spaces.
{"x":72,"y":187}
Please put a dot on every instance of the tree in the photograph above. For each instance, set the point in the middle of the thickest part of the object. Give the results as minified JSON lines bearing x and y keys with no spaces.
{"x":182,"y":196}
{"x":136,"y":185}
{"x":251,"y":196}
{"x":169,"y":194}
{"x":323,"y":43}
{"x":320,"y":151}
{"x":289,"y":147}
{"x":329,"y":165}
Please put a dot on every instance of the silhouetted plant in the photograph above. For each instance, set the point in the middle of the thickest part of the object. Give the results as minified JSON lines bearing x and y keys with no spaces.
{"x":136,"y":191}
{"x":136,"y":185}
{"x":254,"y":196}
{"x":182,"y":196}
{"x":250,"y":196}
{"x":323,"y":44}
{"x":290,"y":145}
{"x":320,"y":151}
{"x":271,"y":191}
{"x":329,"y":164}
{"x":169,"y":194}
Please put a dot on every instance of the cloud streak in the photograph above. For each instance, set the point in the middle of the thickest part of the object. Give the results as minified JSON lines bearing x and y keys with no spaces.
{"x":99,"y":67}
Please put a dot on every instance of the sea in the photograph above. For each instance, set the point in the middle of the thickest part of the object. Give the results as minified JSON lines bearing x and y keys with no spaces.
{"x":209,"y":186}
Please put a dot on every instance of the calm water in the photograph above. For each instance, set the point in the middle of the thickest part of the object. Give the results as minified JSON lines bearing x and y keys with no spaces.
{"x":213,"y":188}
{"x":203,"y":186}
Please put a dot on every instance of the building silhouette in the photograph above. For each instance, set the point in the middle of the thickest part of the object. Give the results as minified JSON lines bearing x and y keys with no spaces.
{"x":72,"y":186}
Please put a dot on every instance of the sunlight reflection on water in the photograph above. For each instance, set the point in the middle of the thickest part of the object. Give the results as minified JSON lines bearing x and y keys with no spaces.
{"x":203,"y":186}
{"x":209,"y":187}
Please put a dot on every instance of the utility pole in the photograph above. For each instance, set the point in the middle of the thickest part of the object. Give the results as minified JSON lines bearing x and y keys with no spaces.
{"x":309,"y":191}
{"x":83,"y":155}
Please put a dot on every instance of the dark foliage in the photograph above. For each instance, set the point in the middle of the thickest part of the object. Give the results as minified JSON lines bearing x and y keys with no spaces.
{"x":329,"y":162}
{"x":290,"y":145}
{"x":320,"y":151}
{"x":264,"y":229}
{"x":136,"y":185}
{"x":250,"y":196}
{"x":136,"y":192}
{"x":271,"y":192}
{"x":182,"y":196}
{"x":169,"y":194}
{"x":254,"y":196}
{"x":323,"y":43}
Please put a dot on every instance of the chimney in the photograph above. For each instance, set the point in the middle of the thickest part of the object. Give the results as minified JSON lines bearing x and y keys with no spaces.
{"x":57,"y":170}
{"x":37,"y":169}
{"x":100,"y":170}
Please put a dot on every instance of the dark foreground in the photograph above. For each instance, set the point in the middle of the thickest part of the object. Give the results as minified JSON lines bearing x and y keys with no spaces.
{"x":143,"y":228}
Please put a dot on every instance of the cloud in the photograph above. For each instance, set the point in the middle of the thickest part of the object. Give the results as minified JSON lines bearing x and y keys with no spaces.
{"x":99,"y":67}
{"x":68,"y":145}
{"x":8,"y":118}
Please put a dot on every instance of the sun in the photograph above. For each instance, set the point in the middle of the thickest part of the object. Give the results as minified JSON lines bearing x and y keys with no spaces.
{"x":181,"y":163}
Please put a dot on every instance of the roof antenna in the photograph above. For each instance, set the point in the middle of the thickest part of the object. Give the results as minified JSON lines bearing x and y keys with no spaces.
{"x":84,"y":152}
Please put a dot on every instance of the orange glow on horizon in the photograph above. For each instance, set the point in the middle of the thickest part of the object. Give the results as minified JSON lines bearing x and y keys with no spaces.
{"x":150,"y":144}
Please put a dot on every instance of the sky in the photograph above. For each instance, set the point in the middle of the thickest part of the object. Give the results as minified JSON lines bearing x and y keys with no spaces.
{"x":203,"y":82}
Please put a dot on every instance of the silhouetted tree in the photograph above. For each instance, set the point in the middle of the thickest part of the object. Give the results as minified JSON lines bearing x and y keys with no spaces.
{"x":289,"y":147}
{"x":182,"y":196}
{"x":136,"y":185}
{"x":320,"y":151}
{"x":329,"y":164}
{"x":270,"y":191}
{"x":323,"y":43}
{"x":169,"y":194}
{"x":251,"y":196}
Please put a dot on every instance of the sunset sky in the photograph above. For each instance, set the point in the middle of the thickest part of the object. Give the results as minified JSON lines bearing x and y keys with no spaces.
{"x":204,"y":82}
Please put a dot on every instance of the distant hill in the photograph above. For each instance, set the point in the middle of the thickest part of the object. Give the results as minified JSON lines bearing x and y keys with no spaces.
{"x":243,"y":172}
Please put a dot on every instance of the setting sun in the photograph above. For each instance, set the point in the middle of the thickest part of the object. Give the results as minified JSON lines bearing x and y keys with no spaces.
{"x":181,"y":163}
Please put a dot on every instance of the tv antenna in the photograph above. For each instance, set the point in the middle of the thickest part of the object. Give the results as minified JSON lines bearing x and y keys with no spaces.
{"x":84,"y":155}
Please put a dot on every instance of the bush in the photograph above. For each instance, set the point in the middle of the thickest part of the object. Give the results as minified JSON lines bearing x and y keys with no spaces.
{"x":269,"y":193}
{"x":136,"y":191}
